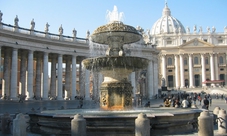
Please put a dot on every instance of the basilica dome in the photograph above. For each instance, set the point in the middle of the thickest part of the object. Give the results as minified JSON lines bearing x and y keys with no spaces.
{"x":167,"y":24}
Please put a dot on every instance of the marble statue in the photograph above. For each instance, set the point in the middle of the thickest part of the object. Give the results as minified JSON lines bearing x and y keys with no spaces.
{"x":213,"y":29}
{"x":32,"y":24}
{"x":188,"y":30}
{"x":1,"y":14}
{"x":163,"y":82}
{"x":200,"y":29}
{"x":74,"y":32}
{"x":16,"y":20}
{"x":88,"y":34}
{"x":47,"y":27}
{"x":208,"y":29}
{"x":195,"y":28}
{"x":60,"y":30}
{"x":225,"y":29}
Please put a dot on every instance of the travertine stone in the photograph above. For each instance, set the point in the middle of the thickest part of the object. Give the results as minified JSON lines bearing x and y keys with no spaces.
{"x":222,"y":117}
{"x":142,"y":125}
{"x":205,"y":121}
{"x":78,"y":126}
{"x":19,"y":125}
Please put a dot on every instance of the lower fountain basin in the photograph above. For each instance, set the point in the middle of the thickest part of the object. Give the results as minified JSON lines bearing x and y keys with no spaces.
{"x":163,"y":121}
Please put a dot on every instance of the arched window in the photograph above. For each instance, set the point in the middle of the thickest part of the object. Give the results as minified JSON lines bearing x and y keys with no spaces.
{"x":170,"y":61}
{"x":196,"y":60}
{"x":185,"y":61}
{"x":206,"y":61}
{"x":221,"y":60}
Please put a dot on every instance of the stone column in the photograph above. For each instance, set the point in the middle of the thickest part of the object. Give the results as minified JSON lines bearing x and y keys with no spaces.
{"x":191,"y":83}
{"x":29,"y":91}
{"x":6,"y":73}
{"x":53,"y":76}
{"x":164,"y":67}
{"x":216,"y":66}
{"x":78,"y":126}
{"x":142,"y":125}
{"x":150,"y":79}
{"x":59,"y":92}
{"x":203,"y":69}
{"x":38,"y":77}
{"x":73,"y":78}
{"x":176,"y":71}
{"x":87,"y":85}
{"x":23,"y":68}
{"x":156,"y":77}
{"x":211,"y":67}
{"x":13,"y":85}
{"x":45,"y":76}
{"x":81,"y":80}
{"x":1,"y":63}
{"x":67,"y":78}
{"x":182,"y":71}
{"x":133,"y":82}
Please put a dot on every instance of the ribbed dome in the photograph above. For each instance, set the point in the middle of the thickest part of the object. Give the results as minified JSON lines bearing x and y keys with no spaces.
{"x":167,"y":24}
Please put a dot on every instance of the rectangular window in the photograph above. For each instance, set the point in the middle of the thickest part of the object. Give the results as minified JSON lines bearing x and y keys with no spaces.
{"x":184,"y":41}
{"x":220,"y":41}
{"x":169,"y":70}
{"x":185,"y":70}
{"x":205,"y":40}
{"x":207,"y":69}
{"x":169,"y":42}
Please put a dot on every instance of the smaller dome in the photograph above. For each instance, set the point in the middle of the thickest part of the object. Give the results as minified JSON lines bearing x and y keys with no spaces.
{"x":167,"y":24}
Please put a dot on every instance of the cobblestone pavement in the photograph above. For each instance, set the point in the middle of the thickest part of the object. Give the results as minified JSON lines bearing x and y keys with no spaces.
{"x":13,"y":107}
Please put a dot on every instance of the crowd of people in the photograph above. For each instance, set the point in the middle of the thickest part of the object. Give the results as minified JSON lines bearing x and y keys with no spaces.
{"x":186,"y":100}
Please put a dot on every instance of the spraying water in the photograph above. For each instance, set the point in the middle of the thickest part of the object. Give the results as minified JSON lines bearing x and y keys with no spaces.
{"x":114,"y":15}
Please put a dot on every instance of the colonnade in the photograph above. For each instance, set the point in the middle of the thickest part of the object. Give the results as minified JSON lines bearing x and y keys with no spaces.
{"x":25,"y":72}
{"x":180,"y":66}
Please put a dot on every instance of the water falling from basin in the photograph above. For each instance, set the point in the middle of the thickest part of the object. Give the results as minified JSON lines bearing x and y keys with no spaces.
{"x":116,"y":90}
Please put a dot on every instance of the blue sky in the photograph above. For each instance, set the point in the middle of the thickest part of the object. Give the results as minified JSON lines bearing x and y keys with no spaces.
{"x":86,"y":15}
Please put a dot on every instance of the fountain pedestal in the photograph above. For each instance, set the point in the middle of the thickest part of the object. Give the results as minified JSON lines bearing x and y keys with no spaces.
{"x":116,"y":96}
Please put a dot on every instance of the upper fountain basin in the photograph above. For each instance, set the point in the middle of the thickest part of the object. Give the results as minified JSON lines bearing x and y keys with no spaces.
{"x":115,"y":28}
{"x":118,"y":62}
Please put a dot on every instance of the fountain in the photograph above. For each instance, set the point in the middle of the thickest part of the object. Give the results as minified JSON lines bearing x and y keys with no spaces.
{"x":116,"y":90}
{"x":116,"y":115}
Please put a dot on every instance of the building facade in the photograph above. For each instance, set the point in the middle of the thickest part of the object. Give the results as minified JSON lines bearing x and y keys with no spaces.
{"x":187,"y":57}
{"x":42,"y":65}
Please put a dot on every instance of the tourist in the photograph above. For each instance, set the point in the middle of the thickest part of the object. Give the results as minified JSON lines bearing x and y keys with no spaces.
{"x":226,"y":99}
{"x":206,"y":103}
{"x":185,"y":103}
{"x":177,"y":103}
{"x":199,"y":99}
{"x":210,"y":100}
{"x":147,"y":104}
{"x":167,"y":102}
{"x":81,"y":102}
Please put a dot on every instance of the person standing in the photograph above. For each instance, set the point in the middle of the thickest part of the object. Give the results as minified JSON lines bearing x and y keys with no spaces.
{"x":206,"y":103}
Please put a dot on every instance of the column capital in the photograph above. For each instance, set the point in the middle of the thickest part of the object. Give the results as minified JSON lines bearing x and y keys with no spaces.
{"x":202,"y":54}
{"x":190,"y":54}
{"x":211,"y":54}
{"x":181,"y":54}
{"x":30,"y":51}
{"x":162,"y":55}
{"x":15,"y":49}
{"x":45,"y":53}
{"x":176,"y":55}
